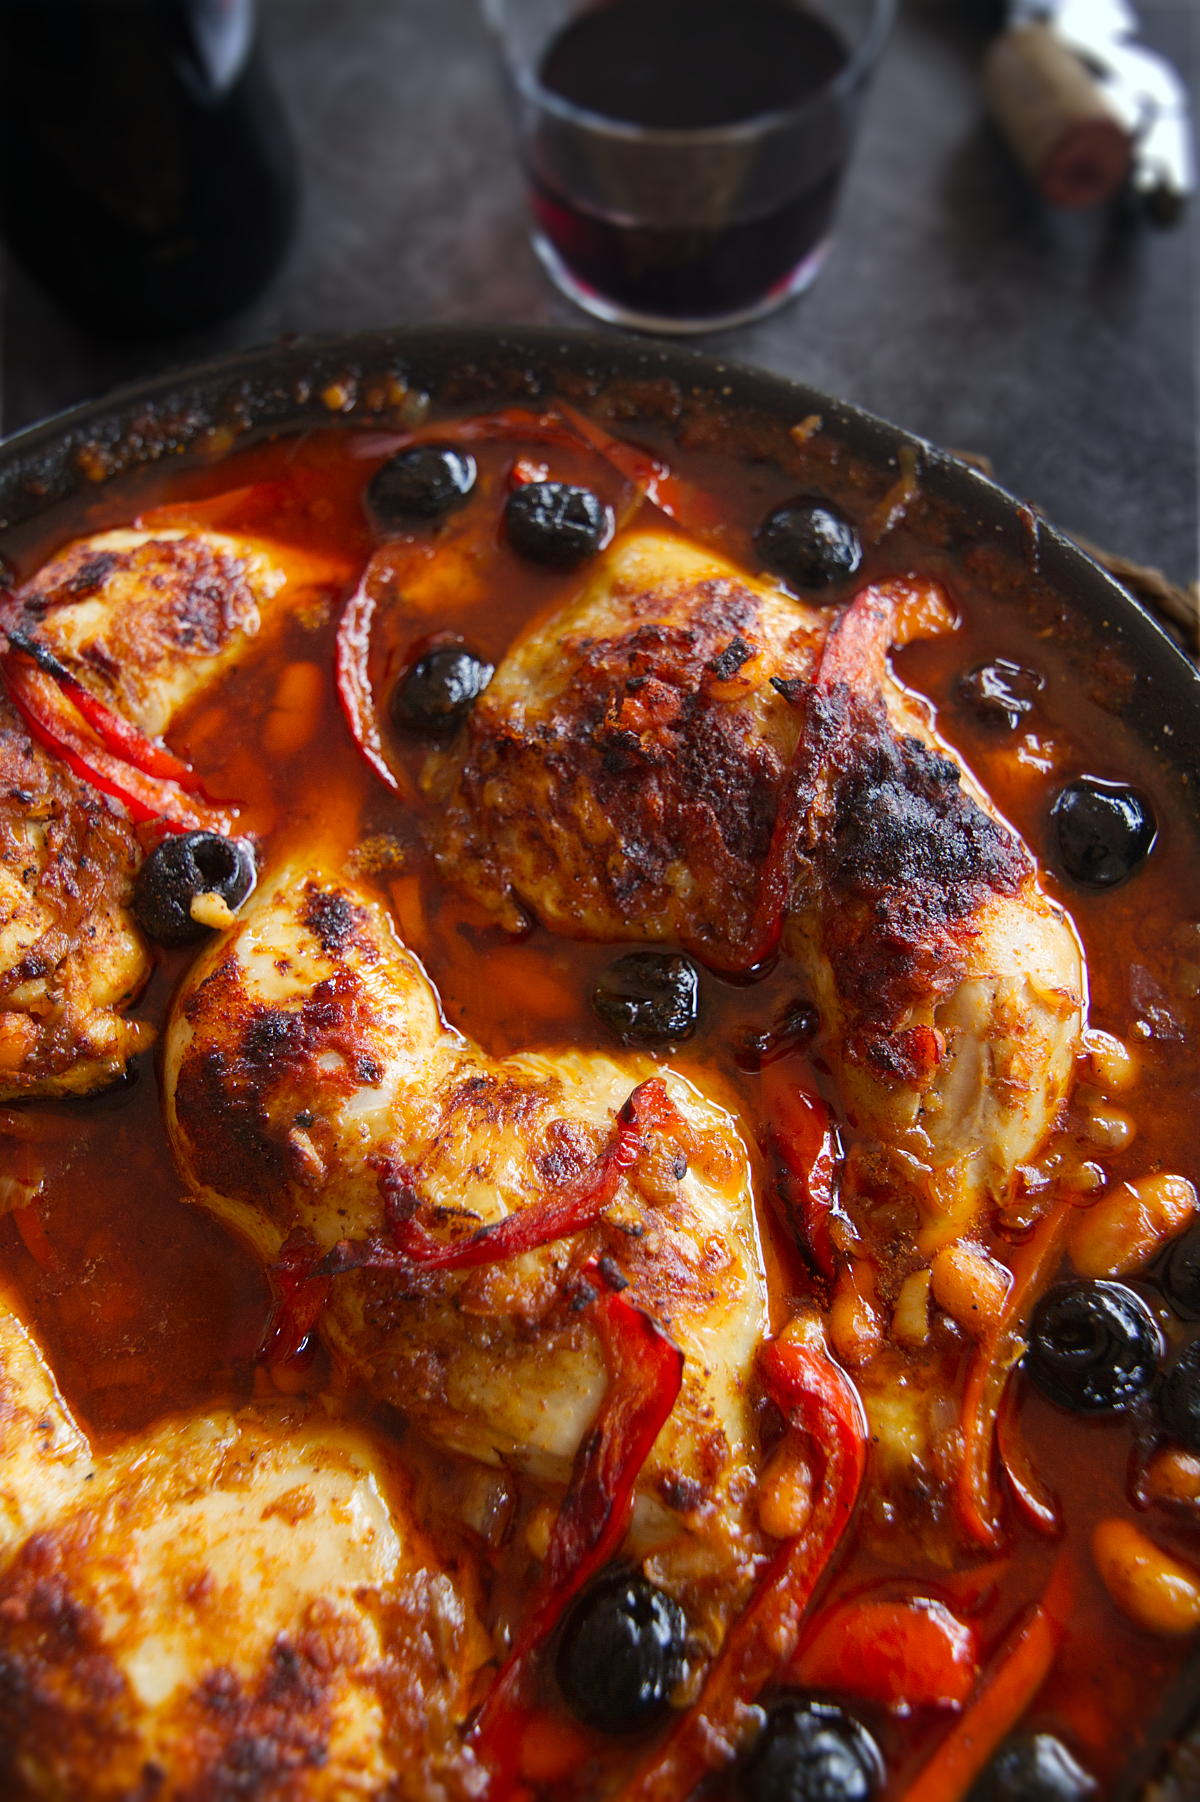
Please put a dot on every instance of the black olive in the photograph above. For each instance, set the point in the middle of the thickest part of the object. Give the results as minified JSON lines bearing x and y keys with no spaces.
{"x":621,"y":1653}
{"x":423,"y":482}
{"x":1104,"y":830}
{"x":1035,"y":1767}
{"x":1179,"y":1402}
{"x":1000,"y":693}
{"x":195,"y":863}
{"x":1180,"y":1275}
{"x":649,"y":998}
{"x":1093,"y":1347}
{"x":552,"y":523}
{"x":811,"y":1752}
{"x":438,"y":692}
{"x":810,"y":543}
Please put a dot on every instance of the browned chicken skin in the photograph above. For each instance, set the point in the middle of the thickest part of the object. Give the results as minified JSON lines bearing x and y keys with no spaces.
{"x":307,"y":1063}
{"x":143,"y":620}
{"x":237,"y":1602}
{"x":623,"y":777}
{"x":680,"y":743}
{"x":71,"y":960}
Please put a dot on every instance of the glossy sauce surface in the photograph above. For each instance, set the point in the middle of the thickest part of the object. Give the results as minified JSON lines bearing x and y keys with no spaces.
{"x":145,"y":1306}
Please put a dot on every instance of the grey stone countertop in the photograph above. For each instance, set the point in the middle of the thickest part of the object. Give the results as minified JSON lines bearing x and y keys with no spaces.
{"x":1061,"y":346}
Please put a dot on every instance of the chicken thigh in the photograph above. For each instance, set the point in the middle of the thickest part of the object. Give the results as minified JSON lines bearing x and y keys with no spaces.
{"x":234,"y":1602}
{"x":139,"y":623}
{"x":313,"y":1093}
{"x":685,"y":753}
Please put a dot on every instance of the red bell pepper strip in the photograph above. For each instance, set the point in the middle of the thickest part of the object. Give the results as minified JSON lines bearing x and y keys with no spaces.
{"x":645,"y":1373}
{"x":854,"y":660}
{"x":300,"y":1294}
{"x":560,"y":423}
{"x":817,"y":1399}
{"x":114,"y":733}
{"x":352,"y":670}
{"x":1007,"y":1692}
{"x":557,"y":424}
{"x":1033,"y":1265}
{"x":799,"y":1133}
{"x":904,"y":1655}
{"x":572,"y":1208}
{"x":45,"y":711}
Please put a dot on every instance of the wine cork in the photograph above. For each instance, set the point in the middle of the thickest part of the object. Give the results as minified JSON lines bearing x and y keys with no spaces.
{"x":1056,"y":118}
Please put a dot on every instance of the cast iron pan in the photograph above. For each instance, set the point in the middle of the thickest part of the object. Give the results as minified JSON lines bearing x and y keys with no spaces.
{"x":283,"y":388}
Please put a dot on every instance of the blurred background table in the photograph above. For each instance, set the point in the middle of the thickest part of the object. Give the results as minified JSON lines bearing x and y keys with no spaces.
{"x":1061,"y":346}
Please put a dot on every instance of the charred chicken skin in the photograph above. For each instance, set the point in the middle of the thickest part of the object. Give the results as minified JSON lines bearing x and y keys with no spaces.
{"x":685,"y":753}
{"x":234,"y":1602}
{"x":105,"y":647}
{"x":315,"y":1097}
{"x":548,"y":1261}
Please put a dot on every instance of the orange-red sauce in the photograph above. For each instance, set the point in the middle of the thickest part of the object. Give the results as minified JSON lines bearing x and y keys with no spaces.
{"x":147,"y":1306}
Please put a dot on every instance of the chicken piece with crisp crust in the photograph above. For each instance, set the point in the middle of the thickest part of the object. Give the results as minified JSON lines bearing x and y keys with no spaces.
{"x":71,"y":959}
{"x":314,"y":1096}
{"x":621,"y":772}
{"x":141,"y":621}
{"x":236,"y":1601}
{"x":683,"y":752}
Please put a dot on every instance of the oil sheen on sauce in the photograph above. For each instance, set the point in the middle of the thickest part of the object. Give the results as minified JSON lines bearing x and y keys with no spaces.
{"x":149,"y":1307}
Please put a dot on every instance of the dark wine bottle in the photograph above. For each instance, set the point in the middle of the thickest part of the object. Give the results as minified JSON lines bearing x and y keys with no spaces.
{"x":147,"y":180}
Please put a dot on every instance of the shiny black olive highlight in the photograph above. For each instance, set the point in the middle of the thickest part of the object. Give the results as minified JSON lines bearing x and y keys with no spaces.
{"x":1094,"y":1347}
{"x":1104,"y":831}
{"x":1033,"y":1767}
{"x":437,"y":693}
{"x":555,"y":524}
{"x":810,"y":544}
{"x":1000,"y":693}
{"x":191,"y":864}
{"x":424,"y":482}
{"x":621,"y":1653}
{"x":649,"y":998}
{"x":811,"y":1751}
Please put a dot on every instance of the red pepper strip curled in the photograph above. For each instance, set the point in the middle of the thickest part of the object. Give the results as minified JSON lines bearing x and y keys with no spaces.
{"x":300,"y":1294}
{"x":853,"y":662}
{"x":558,"y":424}
{"x":799,"y":1133}
{"x":817,"y":1399}
{"x":48,"y":716}
{"x":114,"y":733}
{"x":353,"y":677}
{"x":574,"y":1207}
{"x":988,"y":1376}
{"x":645,"y":1373}
{"x":1006,"y":1694}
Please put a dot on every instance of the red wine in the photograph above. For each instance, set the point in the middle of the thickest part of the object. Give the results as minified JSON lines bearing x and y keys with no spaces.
{"x":688,"y":65}
{"x":682,"y":65}
{"x":146,"y":177}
